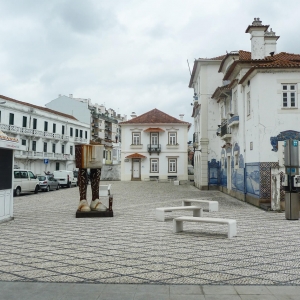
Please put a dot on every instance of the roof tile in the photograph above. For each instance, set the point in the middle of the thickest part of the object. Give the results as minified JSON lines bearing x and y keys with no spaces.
{"x":154,"y":116}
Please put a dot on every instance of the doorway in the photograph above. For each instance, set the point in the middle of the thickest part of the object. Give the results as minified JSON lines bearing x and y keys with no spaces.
{"x":136,"y":169}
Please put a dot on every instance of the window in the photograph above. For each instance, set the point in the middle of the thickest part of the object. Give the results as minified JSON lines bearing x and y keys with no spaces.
{"x":23,"y":142}
{"x":57,"y":166}
{"x":63,"y":149}
{"x":45,"y":126}
{"x":54,"y":128}
{"x":76,"y":132}
{"x":11,"y":119}
{"x":53,"y":148}
{"x":289,"y":93}
{"x":154,"y":138}
{"x":222,"y":112}
{"x":62,"y":129}
{"x":71,"y":131}
{"x":45,"y":147}
{"x":172,"y":162}
{"x":71,"y":150}
{"x":235,"y":103}
{"x":136,"y":138}
{"x":248,"y":104}
{"x":80,"y":133}
{"x":34,"y":123}
{"x":33,"y":145}
{"x":153,"y":165}
{"x":24,"y":124}
{"x":31,"y":175}
{"x":172,"y":138}
{"x":85,"y":134}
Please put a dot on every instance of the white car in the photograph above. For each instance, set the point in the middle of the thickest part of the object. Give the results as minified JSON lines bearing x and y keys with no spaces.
{"x":25,"y":181}
{"x":65,"y":178}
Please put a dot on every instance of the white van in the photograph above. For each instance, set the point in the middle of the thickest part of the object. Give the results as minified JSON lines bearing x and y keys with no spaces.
{"x":65,"y":178}
{"x":25,"y":181}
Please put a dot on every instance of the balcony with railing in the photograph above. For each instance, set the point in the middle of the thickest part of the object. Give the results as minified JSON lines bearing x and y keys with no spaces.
{"x":151,"y":148}
{"x":12,"y":129}
{"x":80,"y":140}
{"x":233,"y":121}
{"x":42,"y":155}
{"x":225,"y":130}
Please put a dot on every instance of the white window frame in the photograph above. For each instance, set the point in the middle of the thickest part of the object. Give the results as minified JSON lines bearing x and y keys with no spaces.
{"x":154,"y":138}
{"x":154,"y":165}
{"x":289,"y":95}
{"x":172,"y":138}
{"x":235,"y":103}
{"x":172,"y":165}
{"x":136,"y":138}
{"x":248,"y":104}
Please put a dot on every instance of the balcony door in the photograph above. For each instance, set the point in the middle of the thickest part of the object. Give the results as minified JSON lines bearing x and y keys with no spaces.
{"x":154,"y":139}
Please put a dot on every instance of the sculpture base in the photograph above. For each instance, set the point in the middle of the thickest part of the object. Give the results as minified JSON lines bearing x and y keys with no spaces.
{"x":94,"y":214}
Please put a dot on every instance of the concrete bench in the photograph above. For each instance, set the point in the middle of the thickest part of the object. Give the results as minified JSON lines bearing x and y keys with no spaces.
{"x":104,"y":190}
{"x":178,"y":223}
{"x":160,"y":212}
{"x":212,"y":205}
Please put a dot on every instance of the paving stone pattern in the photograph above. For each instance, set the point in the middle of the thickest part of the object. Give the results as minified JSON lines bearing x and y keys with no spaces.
{"x":46,"y":243}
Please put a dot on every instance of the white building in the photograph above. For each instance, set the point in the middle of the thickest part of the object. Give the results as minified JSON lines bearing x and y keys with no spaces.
{"x":104,"y":123}
{"x":48,"y":137}
{"x":154,"y":144}
{"x":253,"y":108}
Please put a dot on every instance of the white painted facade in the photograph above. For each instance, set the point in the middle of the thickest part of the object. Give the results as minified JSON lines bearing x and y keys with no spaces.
{"x":249,"y":115}
{"x":142,"y":168}
{"x":45,"y":136}
{"x":205,"y":114}
{"x":104,"y":123}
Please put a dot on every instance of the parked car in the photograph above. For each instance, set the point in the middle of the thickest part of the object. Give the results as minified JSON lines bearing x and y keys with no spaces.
{"x":48,"y":182}
{"x":25,"y":181}
{"x":65,"y":178}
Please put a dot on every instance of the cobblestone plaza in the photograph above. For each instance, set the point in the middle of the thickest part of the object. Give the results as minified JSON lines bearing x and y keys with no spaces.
{"x":46,"y":243}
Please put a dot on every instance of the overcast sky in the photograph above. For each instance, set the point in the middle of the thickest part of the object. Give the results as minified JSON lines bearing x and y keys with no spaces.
{"x":130,"y":55}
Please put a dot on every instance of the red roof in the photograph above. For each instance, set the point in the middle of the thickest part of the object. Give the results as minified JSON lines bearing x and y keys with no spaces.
{"x":135,"y":155}
{"x":154,"y":116}
{"x":153,"y":129}
{"x":279,"y":64}
{"x":282,"y":59}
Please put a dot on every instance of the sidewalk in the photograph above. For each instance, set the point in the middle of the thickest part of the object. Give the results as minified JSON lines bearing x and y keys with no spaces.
{"x":46,"y":247}
{"x":67,"y":291}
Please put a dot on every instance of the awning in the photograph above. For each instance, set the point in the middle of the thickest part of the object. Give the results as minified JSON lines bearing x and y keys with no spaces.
{"x":135,"y":155}
{"x":152,"y":129}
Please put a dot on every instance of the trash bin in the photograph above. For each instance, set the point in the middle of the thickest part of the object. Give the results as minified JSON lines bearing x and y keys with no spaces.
{"x":291,"y":206}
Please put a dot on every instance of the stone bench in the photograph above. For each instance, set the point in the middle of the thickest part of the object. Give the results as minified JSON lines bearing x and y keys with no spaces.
{"x":178,"y":223}
{"x":212,"y":205}
{"x":160,"y":212}
{"x":104,"y":190}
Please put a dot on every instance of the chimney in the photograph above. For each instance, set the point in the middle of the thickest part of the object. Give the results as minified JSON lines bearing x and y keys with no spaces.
{"x":270,"y":42}
{"x":70,"y":95}
{"x":133,"y":115}
{"x":257,"y":31}
{"x":181,"y":117}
